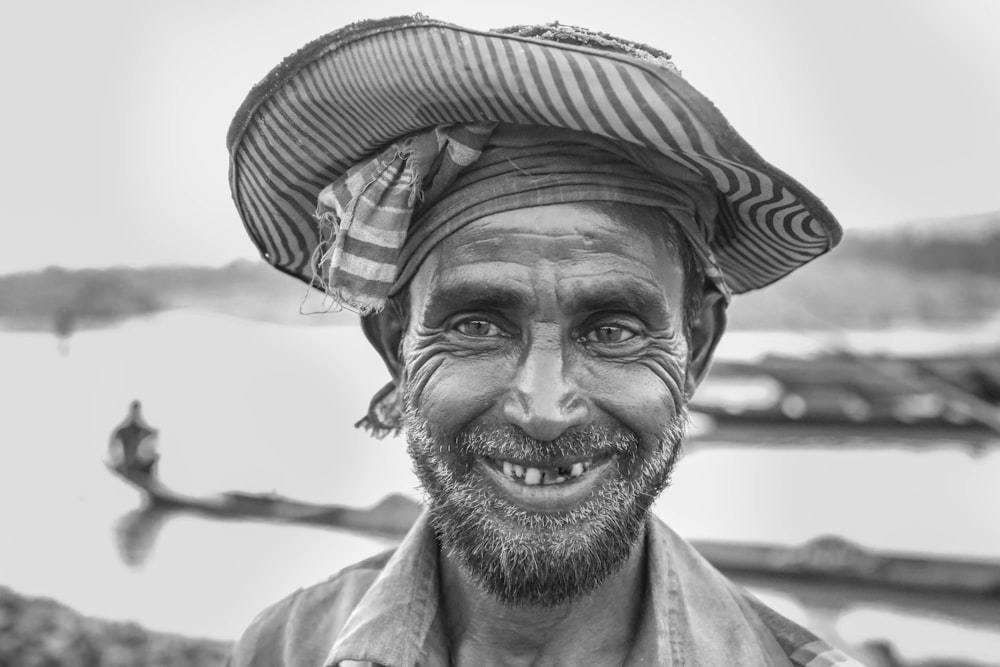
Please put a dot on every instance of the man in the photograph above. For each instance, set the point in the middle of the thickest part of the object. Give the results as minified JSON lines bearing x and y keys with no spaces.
{"x":132,"y":446}
{"x":541,"y":228}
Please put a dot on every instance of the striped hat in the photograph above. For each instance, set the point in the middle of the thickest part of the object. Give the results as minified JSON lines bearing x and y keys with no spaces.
{"x":342,"y":99}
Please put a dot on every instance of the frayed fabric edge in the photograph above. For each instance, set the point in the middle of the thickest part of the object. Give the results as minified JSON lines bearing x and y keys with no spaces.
{"x":384,"y":417}
{"x":334,"y":226}
{"x":326,"y":253}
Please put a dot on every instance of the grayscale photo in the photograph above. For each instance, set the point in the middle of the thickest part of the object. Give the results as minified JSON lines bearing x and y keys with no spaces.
{"x":518,"y":334}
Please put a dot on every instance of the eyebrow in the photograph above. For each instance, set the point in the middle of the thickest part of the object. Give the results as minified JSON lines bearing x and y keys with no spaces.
{"x":470,"y":296}
{"x":636,"y":297}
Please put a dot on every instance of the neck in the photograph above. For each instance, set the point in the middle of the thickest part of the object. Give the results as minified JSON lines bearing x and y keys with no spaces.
{"x":597,"y":629}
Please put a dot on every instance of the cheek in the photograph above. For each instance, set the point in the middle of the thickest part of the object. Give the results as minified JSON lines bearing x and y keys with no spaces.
{"x":645,"y":394}
{"x":448,"y":388}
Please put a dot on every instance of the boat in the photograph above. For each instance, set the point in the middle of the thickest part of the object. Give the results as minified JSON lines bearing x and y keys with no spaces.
{"x":390,"y":518}
{"x":954,"y":392}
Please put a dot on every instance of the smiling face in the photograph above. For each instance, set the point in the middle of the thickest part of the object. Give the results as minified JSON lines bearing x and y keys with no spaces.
{"x":545,"y":376}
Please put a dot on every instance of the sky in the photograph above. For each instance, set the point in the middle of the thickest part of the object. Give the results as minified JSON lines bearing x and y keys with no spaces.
{"x":115,"y":111}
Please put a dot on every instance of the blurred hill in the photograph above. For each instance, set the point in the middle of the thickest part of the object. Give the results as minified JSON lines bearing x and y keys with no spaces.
{"x":927,"y":272}
{"x":63,"y":300}
{"x":968,"y":227}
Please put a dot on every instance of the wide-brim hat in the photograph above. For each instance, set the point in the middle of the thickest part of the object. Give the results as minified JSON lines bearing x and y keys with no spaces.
{"x":348,"y":94}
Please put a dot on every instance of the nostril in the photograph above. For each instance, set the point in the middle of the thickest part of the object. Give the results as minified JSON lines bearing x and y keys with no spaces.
{"x":545,"y":420}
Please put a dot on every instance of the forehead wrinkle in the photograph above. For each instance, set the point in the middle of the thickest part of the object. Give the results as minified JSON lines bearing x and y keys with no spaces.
{"x":490,"y":231}
{"x":610,"y":278}
{"x":474,"y":272}
{"x":641,"y":263}
{"x":598,"y":234}
{"x":484,"y":234}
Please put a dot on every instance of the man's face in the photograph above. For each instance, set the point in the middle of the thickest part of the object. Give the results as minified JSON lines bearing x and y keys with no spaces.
{"x":544,"y":373}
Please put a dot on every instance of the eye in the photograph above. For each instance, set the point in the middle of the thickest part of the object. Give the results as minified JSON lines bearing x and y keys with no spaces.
{"x":478,"y":328}
{"x":608,"y":333}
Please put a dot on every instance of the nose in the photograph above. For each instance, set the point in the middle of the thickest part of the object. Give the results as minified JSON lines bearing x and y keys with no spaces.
{"x":545,"y":400}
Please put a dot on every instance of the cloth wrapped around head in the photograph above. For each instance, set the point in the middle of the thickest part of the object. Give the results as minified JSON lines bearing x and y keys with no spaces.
{"x":384,"y":216}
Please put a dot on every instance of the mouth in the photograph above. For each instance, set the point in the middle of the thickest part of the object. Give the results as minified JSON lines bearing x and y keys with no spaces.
{"x":546,"y":487}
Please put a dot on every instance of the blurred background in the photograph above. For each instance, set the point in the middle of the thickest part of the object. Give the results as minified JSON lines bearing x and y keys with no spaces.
{"x":844,"y":456}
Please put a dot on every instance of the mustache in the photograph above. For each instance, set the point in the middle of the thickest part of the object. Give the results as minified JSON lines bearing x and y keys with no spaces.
{"x":507,"y":441}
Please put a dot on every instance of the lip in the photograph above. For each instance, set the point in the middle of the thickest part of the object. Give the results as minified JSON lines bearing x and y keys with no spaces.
{"x":547,"y":499}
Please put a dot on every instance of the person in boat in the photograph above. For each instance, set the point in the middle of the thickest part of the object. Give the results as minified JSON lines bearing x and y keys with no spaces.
{"x":132,"y":448}
{"x":541,"y":228}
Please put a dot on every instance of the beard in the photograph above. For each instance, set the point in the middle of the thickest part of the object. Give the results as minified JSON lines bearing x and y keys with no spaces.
{"x":530,"y":558}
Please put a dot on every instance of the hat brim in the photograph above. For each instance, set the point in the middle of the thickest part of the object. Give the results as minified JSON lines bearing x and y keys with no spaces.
{"x":347,"y":94}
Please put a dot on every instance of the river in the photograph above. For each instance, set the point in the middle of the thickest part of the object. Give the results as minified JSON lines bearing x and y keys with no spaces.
{"x":268,"y":407}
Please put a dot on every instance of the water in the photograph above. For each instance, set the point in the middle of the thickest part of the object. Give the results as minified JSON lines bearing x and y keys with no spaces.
{"x":260,"y":407}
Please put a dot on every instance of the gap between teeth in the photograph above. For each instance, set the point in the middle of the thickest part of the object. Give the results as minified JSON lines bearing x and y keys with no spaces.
{"x":545,"y":476}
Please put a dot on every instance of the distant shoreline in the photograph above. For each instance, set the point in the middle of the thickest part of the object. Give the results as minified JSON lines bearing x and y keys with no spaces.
{"x":63,"y":301}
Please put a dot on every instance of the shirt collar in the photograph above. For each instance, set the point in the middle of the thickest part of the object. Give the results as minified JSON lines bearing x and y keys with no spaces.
{"x":390,"y":624}
{"x":689,"y":608}
{"x":693,"y":614}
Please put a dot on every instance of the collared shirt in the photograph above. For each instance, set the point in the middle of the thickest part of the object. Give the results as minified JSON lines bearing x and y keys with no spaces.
{"x":386,"y":612}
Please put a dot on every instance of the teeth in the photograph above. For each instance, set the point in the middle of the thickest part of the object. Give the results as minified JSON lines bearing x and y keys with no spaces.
{"x":546,"y":476}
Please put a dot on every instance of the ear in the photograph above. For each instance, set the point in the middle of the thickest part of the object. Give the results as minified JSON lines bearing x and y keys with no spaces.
{"x":706,"y":331}
{"x":384,"y":331}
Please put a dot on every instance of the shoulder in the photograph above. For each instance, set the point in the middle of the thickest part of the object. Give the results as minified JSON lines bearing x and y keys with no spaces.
{"x":300,"y":629}
{"x":714,"y":605}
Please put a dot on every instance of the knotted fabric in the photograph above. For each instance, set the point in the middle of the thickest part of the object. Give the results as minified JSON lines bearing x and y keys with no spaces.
{"x":364,"y":216}
{"x":384,"y":216}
